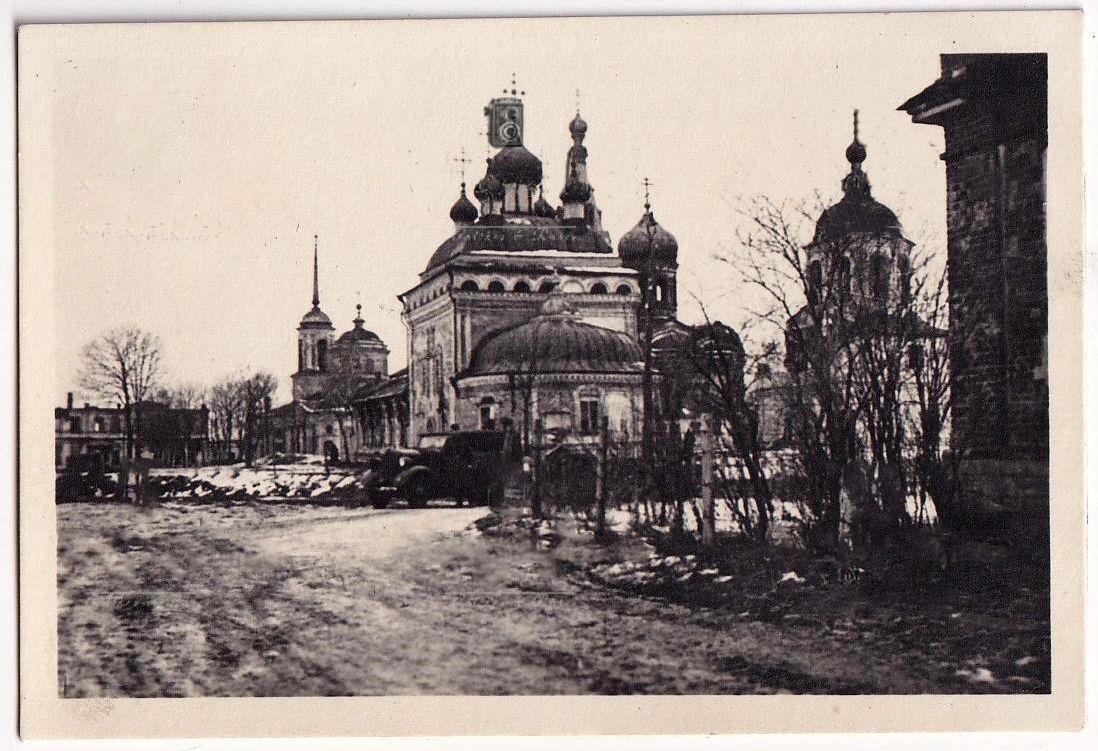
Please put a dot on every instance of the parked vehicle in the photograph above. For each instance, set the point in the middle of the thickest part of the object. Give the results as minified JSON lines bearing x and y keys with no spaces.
{"x":468,"y":466}
{"x":84,"y":478}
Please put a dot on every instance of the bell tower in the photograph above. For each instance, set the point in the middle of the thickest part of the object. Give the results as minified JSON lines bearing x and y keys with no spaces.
{"x":315,"y":335}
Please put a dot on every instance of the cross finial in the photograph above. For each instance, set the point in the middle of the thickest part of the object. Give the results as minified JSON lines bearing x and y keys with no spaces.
{"x":514,"y":87}
{"x":647,"y":197}
{"x":577,"y":101}
{"x":855,"y":125}
{"x":462,"y":160}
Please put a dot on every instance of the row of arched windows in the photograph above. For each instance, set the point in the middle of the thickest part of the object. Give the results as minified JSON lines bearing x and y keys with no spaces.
{"x":880,"y":273}
{"x":598,"y":288}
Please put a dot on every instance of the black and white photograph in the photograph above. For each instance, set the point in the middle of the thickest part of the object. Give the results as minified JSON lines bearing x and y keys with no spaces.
{"x":550,"y":357}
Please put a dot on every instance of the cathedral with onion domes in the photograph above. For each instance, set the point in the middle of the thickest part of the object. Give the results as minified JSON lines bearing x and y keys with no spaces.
{"x":527,"y":312}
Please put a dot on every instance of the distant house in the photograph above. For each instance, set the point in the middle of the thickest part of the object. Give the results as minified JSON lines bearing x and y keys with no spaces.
{"x":176,"y":437}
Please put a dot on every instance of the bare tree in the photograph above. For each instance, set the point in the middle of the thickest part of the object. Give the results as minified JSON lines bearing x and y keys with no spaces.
{"x":227,"y":413}
{"x":181,"y":395}
{"x":719,"y":362}
{"x":122,"y":365}
{"x":810,"y":312}
{"x":253,"y":392}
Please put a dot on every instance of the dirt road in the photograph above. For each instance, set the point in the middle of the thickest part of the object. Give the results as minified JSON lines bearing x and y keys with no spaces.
{"x":265,"y":600}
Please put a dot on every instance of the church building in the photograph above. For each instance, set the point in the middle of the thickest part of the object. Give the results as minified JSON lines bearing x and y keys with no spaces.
{"x":332,"y":372}
{"x":526,"y":312}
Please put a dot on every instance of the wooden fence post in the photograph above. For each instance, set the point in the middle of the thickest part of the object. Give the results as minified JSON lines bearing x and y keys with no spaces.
{"x":709,"y":511}
{"x":600,"y":479}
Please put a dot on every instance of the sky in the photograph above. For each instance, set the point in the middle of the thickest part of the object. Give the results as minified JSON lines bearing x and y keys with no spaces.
{"x":193,"y":165}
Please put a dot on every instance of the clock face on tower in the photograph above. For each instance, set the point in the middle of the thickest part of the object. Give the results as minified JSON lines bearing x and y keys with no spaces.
{"x":504,"y":122}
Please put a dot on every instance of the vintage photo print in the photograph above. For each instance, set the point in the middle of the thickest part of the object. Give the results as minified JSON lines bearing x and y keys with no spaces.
{"x":551,"y":376}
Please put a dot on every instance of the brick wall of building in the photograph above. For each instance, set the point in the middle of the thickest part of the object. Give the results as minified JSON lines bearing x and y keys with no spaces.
{"x":993,"y":110}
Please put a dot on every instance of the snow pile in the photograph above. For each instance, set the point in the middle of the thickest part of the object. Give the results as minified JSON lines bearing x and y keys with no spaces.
{"x":237,"y":482}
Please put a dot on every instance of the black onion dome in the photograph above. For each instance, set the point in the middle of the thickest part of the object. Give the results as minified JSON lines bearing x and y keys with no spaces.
{"x":578,"y":126}
{"x":488,"y":187}
{"x":856,"y":213}
{"x":515,"y":164}
{"x":543,"y":207}
{"x":633,"y":245}
{"x":575,"y":191}
{"x":855,"y":152}
{"x":463,"y":209}
{"x":556,"y":341}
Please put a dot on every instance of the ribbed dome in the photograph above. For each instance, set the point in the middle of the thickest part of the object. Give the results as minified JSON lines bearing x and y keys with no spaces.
{"x":359,"y":335}
{"x":633,"y":245}
{"x":514,"y":164}
{"x":556,"y":341}
{"x":316,"y":318}
{"x":463,"y":209}
{"x":857,"y":212}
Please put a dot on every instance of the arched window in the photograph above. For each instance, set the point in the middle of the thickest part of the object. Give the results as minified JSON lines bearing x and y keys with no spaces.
{"x":903,"y":268}
{"x":496,"y":286}
{"x":598,"y":288}
{"x":322,"y":354}
{"x":624,"y":289}
{"x":430,"y":425}
{"x":522,"y":286}
{"x":880,"y":268}
{"x":546,"y":287}
{"x":301,"y":355}
{"x":469,"y":286}
{"x":98,"y":425}
{"x":844,"y":280}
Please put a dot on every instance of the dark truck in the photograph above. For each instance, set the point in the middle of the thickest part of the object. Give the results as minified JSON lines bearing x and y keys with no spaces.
{"x":468,"y":466}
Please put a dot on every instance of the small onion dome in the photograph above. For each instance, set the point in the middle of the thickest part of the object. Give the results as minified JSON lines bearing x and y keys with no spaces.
{"x":316,"y":318}
{"x":488,"y":187}
{"x":543,"y":207}
{"x":578,"y":126}
{"x":557,"y":341}
{"x":575,"y":191}
{"x":515,"y":164}
{"x":463,"y":210}
{"x":634,"y":244}
{"x":855,"y":152}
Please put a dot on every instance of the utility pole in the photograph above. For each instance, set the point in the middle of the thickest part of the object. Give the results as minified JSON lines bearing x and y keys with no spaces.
{"x":646,"y":378}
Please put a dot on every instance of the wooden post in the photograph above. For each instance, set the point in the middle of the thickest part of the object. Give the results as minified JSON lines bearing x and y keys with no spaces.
{"x":535,"y":491}
{"x":600,"y":479}
{"x":709,"y":511}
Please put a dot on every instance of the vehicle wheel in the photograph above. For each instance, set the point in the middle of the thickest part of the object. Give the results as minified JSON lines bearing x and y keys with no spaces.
{"x":379,"y":501}
{"x":418,"y":492}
